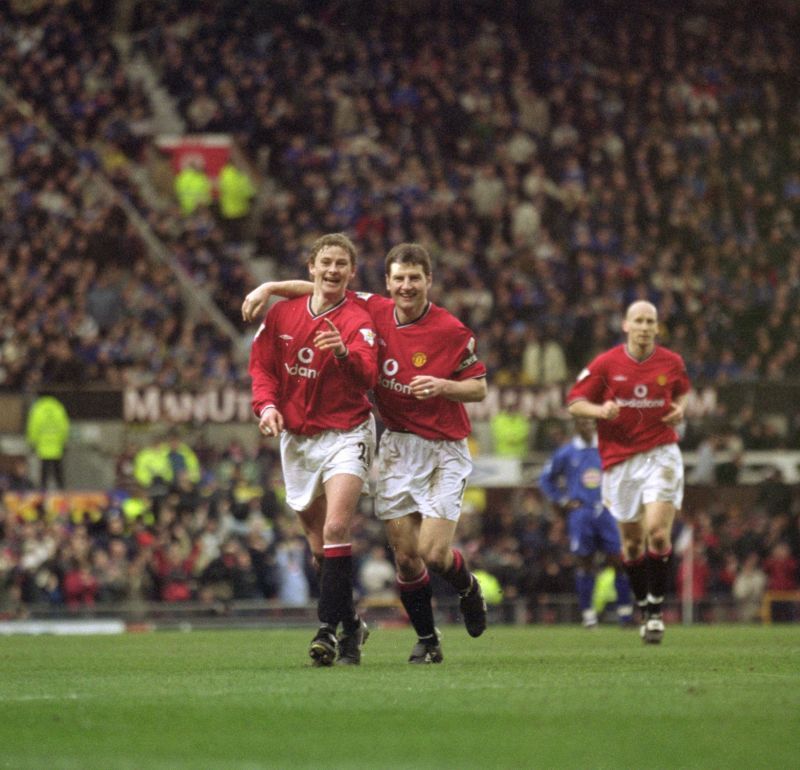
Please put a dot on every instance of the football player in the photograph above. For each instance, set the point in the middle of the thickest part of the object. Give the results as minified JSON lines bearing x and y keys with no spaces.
{"x":637,"y":392}
{"x":428,"y":369}
{"x":312,"y":362}
{"x":571,"y":480}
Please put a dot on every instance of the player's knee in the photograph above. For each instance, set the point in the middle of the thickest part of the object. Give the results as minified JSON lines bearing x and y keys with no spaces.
{"x":408,"y":565}
{"x":437,"y":557}
{"x":659,"y":540}
{"x":336,"y":531}
{"x":632,"y":549}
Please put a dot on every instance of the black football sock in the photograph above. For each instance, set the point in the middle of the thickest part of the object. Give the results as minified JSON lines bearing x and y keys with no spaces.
{"x":351,"y":621}
{"x":416,"y":596}
{"x":636,"y":570}
{"x":658,"y":565}
{"x":336,"y":588}
{"x":458,"y":575}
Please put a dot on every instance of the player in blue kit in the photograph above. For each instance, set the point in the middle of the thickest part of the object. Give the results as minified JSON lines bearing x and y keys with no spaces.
{"x":571,"y":480}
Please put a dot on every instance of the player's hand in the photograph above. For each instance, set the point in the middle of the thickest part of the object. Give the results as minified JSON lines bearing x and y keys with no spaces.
{"x":255,"y":302}
{"x":609,"y":411}
{"x":271,"y":422}
{"x":330,"y":339}
{"x":424,"y":387}
{"x":674,"y":416}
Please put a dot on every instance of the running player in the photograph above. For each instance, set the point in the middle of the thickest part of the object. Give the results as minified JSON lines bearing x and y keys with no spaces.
{"x":312,"y":362}
{"x":637,"y":392}
{"x":428,"y":370}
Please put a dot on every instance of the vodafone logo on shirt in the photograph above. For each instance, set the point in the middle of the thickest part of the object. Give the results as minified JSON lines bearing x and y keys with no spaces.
{"x":641,"y":401}
{"x":305,"y":356}
{"x":387,"y":379}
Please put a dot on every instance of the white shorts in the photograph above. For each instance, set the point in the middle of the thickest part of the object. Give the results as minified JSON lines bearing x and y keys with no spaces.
{"x":309,"y":461}
{"x":417,"y":474}
{"x":648,"y":477}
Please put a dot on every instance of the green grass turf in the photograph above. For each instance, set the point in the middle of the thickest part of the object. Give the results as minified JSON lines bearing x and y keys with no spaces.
{"x":518,"y":697}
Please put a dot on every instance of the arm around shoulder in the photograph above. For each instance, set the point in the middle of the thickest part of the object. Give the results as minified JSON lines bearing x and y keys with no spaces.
{"x":255,"y":302}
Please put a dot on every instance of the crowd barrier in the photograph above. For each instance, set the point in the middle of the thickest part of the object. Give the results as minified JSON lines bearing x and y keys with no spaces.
{"x":781,"y":606}
{"x":383,"y":612}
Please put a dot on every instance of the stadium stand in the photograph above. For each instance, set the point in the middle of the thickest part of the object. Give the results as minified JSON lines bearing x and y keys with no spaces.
{"x":559,"y":160}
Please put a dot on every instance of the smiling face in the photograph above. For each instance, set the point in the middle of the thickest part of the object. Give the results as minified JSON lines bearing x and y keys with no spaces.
{"x":331,"y":271}
{"x":408,"y":286}
{"x":641,"y":326}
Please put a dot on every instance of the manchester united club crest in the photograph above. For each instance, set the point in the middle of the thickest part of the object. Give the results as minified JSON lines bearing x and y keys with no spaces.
{"x":661,"y":380}
{"x":419,"y":359}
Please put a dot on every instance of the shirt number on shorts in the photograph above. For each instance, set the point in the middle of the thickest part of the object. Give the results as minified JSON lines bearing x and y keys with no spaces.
{"x":363,"y":454}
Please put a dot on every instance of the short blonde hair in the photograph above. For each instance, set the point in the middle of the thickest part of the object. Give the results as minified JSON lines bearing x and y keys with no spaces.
{"x":333,"y":239}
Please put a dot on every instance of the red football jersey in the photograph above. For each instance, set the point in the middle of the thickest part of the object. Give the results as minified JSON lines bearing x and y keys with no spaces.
{"x":436,"y":344}
{"x":644,"y":392}
{"x":314,"y":390}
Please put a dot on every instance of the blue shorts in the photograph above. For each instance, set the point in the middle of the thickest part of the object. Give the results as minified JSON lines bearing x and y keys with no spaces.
{"x":590,"y":532}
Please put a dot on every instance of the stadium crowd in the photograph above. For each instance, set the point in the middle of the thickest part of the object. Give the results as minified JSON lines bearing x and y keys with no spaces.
{"x":557,"y":166}
{"x":61,"y":63}
{"x":211,"y":526}
{"x":81,"y":303}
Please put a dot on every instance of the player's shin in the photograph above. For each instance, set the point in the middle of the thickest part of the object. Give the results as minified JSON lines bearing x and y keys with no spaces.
{"x":622,"y":587}
{"x":658,"y":567}
{"x":336,"y":588}
{"x":458,"y":575}
{"x":636,"y":570}
{"x":584,"y":587}
{"x":416,"y":596}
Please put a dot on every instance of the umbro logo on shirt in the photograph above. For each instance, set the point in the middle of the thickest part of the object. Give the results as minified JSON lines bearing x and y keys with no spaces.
{"x":285,"y":337}
{"x":619,"y":378}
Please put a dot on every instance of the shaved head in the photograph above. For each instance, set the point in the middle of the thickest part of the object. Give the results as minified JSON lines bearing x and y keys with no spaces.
{"x":641,"y":307}
{"x":641,"y":326}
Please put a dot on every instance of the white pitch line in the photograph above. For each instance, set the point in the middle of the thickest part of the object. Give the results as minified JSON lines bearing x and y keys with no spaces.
{"x":44,"y":696}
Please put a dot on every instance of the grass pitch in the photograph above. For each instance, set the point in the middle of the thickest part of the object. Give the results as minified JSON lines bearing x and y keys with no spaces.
{"x":517,"y":697}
